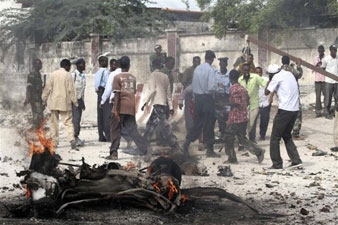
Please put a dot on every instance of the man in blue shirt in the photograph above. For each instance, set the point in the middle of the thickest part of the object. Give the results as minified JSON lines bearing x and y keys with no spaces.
{"x":104,"y":113}
{"x":204,"y":85}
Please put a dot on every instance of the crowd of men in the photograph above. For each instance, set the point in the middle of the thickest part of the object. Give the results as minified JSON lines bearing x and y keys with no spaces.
{"x":234,"y":98}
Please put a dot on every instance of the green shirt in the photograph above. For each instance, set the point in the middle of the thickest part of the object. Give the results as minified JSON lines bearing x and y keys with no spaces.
{"x":253,"y":87}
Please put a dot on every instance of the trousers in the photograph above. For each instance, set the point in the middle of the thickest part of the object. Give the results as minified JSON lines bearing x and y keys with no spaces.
{"x":159,"y":120}
{"x":282,"y":127}
{"x":77,"y":115}
{"x":320,"y":90}
{"x":66,"y":117}
{"x":128,"y":122}
{"x":331,"y":90}
{"x":204,"y":120}
{"x":104,"y":116}
{"x":264,"y":115}
{"x":238,"y":130}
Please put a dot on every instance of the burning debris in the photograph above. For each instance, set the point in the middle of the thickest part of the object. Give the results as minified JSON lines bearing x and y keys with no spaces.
{"x":50,"y":190}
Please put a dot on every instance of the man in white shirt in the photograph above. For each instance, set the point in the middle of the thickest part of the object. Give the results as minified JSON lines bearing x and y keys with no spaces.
{"x":285,"y":84}
{"x":204,"y":85}
{"x":330,"y":64}
{"x":79,"y":79}
{"x":160,"y":96}
{"x":264,"y":108}
{"x":108,"y":94}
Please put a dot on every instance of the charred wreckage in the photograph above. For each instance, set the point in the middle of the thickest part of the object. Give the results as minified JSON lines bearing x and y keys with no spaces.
{"x":50,"y":189}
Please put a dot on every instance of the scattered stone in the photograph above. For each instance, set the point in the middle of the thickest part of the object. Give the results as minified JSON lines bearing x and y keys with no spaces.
{"x":269,"y":186}
{"x":5,"y":159}
{"x":321,"y":196}
{"x":224,"y":171}
{"x":17,"y":144}
{"x":326,"y":209}
{"x":304,"y":212}
{"x":319,"y":153}
{"x":4,"y":174}
{"x":292,"y":206}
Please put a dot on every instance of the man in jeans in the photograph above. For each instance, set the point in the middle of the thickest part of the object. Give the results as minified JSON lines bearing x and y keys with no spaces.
{"x":285,"y":84}
{"x":319,"y":81}
{"x":238,"y":120}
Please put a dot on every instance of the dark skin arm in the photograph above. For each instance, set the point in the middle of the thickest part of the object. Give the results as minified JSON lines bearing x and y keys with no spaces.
{"x":117,"y":106}
{"x":267,"y":92}
{"x":27,"y":96}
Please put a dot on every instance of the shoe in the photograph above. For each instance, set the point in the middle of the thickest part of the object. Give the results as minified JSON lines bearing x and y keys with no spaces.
{"x":329,"y":117}
{"x":260,"y":157}
{"x":273,"y":167}
{"x":212,"y":154}
{"x":112,"y":156}
{"x":73,"y":144}
{"x":253,"y":141}
{"x":231,"y":161}
{"x":79,"y":142}
{"x":298,"y":138}
{"x":334,"y":149}
{"x":241,"y":148}
{"x":102,"y":139}
{"x":298,"y":166}
{"x":200,"y":147}
{"x":262,"y":138}
{"x":318,"y":115}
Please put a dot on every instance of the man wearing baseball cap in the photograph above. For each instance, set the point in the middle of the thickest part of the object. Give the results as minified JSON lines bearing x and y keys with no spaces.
{"x":284,"y":83}
{"x":158,"y":55}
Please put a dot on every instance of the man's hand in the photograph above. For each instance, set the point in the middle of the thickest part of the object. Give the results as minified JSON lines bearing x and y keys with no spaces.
{"x":84,"y":108}
{"x":171,"y":112}
{"x":142,"y":108}
{"x":117,"y":116}
{"x":319,"y":64}
{"x":180,"y":106}
{"x":100,"y":106}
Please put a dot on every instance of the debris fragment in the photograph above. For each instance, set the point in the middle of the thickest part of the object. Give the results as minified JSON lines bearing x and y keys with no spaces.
{"x":304,"y":212}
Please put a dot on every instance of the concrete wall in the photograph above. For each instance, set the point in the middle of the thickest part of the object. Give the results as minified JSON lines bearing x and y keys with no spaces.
{"x":301,"y":43}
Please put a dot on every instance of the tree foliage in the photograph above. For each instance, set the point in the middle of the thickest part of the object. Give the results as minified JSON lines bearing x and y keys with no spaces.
{"x":66,"y":20}
{"x":252,"y":15}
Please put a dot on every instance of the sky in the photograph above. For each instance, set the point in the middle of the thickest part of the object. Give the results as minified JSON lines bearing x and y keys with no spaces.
{"x":175,"y":4}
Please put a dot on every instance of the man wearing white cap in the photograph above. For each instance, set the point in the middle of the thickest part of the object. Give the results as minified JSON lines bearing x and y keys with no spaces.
{"x":285,"y":84}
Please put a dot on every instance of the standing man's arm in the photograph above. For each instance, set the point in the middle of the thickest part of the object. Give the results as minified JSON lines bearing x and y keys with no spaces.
{"x":212,"y":81}
{"x":47,"y":90}
{"x":152,"y":93}
{"x":83,"y":91}
{"x":169,"y":99}
{"x":117,"y":90}
{"x":108,"y":89}
{"x":28,"y":89}
{"x":71,"y":90}
{"x":262,"y":82}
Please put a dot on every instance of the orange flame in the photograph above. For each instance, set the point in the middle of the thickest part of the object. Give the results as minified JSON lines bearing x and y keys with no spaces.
{"x":184,"y":198}
{"x":28,"y":192}
{"x":157,"y":188}
{"x":172,"y":187}
{"x":44,"y":142}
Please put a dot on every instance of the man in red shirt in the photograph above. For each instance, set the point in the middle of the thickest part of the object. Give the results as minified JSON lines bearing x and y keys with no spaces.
{"x":238,"y":119}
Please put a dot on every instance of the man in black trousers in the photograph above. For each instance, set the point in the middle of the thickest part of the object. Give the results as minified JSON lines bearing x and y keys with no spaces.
{"x":285,"y":84}
{"x":204,"y":85}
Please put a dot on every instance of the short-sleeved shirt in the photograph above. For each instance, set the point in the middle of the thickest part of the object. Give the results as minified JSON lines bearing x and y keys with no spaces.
{"x":286,"y":86}
{"x":125,"y":83}
{"x":318,"y":76}
{"x":34,"y":85}
{"x":331,"y":65}
{"x":254,"y":82}
{"x":238,"y":95}
{"x":204,"y":80}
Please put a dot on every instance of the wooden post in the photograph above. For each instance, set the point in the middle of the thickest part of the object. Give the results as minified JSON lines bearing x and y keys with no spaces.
{"x":293,"y":58}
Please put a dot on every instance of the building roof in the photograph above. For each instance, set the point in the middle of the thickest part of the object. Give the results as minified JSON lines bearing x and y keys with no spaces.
{"x":174,"y":4}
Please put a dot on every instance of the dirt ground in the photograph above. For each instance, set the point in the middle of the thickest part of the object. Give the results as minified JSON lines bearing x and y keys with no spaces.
{"x":275,"y":193}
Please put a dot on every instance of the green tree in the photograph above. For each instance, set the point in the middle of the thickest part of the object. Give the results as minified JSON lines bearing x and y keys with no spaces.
{"x":252,"y":15}
{"x":66,"y":20}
